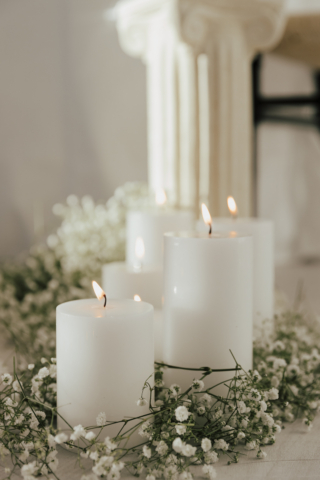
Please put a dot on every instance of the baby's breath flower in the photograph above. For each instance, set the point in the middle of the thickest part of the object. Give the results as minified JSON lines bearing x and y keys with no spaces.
{"x":275,"y":381}
{"x":279,"y":363}
{"x":143,"y":431}
{"x":177,"y":445}
{"x":7,"y":378}
{"x":90,"y":436}
{"x":221,"y":445}
{"x":150,"y":477}
{"x":28,"y":470}
{"x":206,"y":400}
{"x":209,"y":472}
{"x":171,"y":472}
{"x":171,"y":459}
{"x":174,"y":390}
{"x":181,"y":429}
{"x":78,"y":432}
{"x":31,"y":366}
{"x":162,"y":448}
{"x":146,"y":451}
{"x":101,"y":419}
{"x":206,"y":444}
{"x":61,"y":438}
{"x":182,"y":414}
{"x":43,"y":372}
{"x":273,"y":394}
{"x":110,"y":443}
{"x":201,"y":410}
{"x":261,"y":454}
{"x":211,"y":457}
{"x":142,"y":402}
{"x":241,"y":406}
{"x":251,"y":445}
{"x":278,"y":346}
{"x":198,"y":385}
{"x":188,"y":450}
{"x":185,"y":476}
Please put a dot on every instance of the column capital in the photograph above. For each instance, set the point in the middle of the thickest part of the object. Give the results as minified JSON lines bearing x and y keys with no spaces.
{"x":261,"y":21}
{"x":198,"y":21}
{"x":134,"y":19}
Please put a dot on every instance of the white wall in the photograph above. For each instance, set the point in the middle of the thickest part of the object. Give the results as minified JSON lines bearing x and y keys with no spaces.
{"x":72,"y":111}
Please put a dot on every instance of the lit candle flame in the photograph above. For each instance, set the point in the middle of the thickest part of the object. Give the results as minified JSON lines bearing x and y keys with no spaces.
{"x":139,"y":248}
{"x":233,"y":209}
{"x":136,"y":298}
{"x":161,"y":197}
{"x":206,"y":217}
{"x":99,"y":292}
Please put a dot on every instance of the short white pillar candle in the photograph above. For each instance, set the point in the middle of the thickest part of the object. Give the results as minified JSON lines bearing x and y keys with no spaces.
{"x":207,"y":304}
{"x":104,"y":356}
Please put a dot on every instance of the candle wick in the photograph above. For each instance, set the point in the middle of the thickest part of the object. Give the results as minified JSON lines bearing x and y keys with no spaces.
{"x":210,"y":228}
{"x":105,"y":300}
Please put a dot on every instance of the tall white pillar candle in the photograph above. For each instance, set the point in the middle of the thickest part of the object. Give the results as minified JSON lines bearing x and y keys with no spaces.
{"x":122,"y":281}
{"x":104,"y":356}
{"x":151,"y":224}
{"x":207,"y":304}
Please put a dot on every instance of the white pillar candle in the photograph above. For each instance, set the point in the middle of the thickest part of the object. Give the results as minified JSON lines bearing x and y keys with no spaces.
{"x":104,"y":356}
{"x":262,"y":232}
{"x":120,"y":280}
{"x":207,"y":304}
{"x":151,"y":224}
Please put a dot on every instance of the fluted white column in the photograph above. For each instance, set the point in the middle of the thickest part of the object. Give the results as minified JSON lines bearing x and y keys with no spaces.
{"x":198,"y":55}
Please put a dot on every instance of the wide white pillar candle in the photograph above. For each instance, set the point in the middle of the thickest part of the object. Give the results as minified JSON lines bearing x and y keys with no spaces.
{"x":104,"y":356}
{"x":207,"y":304}
{"x":122,"y":281}
{"x":150,"y":224}
{"x":262,"y":232}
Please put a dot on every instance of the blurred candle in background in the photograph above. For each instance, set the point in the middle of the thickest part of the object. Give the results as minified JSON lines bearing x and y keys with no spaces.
{"x":150,"y":224}
{"x":122,"y":280}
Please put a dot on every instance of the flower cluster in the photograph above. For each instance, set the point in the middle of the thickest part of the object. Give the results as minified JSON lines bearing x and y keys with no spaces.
{"x":29,"y":294}
{"x":30,"y":290}
{"x":93,"y":234}
{"x":183,"y":429}
{"x":289,"y":362}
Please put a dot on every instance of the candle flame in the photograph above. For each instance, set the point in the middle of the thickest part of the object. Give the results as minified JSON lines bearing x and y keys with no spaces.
{"x":161,"y":197}
{"x":232,"y":206}
{"x":139,"y":248}
{"x":206,"y":216}
{"x":137,"y":298}
{"x":98,"y":290}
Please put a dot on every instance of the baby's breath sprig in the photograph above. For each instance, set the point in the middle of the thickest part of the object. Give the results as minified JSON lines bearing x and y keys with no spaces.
{"x":183,"y":429}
